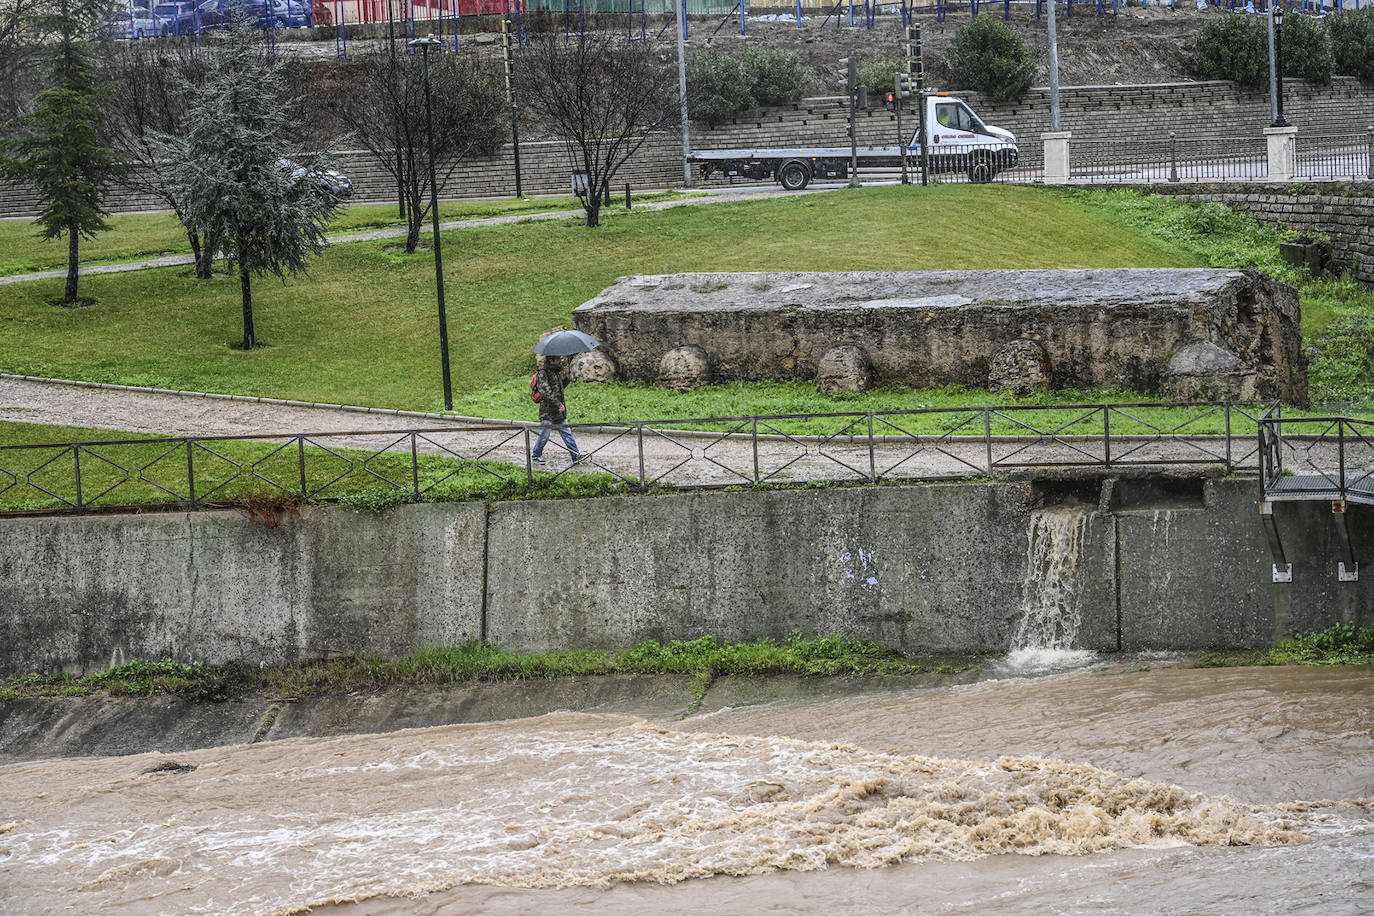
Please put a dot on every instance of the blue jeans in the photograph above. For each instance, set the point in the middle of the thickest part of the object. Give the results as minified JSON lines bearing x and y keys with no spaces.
{"x":546,"y":427}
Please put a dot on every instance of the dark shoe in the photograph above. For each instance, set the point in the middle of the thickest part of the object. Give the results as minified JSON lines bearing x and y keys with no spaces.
{"x":580,"y":457}
{"x":537,"y":459}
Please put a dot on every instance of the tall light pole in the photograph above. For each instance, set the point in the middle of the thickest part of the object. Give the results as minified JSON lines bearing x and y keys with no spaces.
{"x":424,"y":44}
{"x":682,"y":90}
{"x":1276,"y":63}
{"x":1054,"y":71}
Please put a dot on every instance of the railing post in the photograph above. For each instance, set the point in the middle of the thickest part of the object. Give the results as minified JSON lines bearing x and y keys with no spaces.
{"x":76,"y":473}
{"x":415,"y":466}
{"x":1228,"y":437}
{"x":191,"y":469}
{"x":1107,"y":434}
{"x":1340,"y":446}
{"x":872,"y":456}
{"x":300,"y":451}
{"x":1280,"y":144}
{"x":643,"y":478}
{"x":754,"y":437}
{"x":529,"y":462}
{"x":1057,"y":168}
{"x":1370,"y":163}
{"x":1173,"y":157}
{"x":987,"y":436}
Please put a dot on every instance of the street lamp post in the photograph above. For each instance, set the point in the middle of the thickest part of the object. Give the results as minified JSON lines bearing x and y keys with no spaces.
{"x":1276,"y":64}
{"x":424,"y":44}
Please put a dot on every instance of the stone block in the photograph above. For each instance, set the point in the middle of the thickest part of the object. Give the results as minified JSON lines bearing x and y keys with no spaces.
{"x":1097,"y":328}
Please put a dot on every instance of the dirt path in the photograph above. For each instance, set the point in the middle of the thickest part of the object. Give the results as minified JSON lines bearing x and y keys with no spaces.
{"x":393,"y":232}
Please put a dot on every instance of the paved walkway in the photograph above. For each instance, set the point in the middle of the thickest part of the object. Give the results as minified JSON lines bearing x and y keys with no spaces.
{"x":393,"y":232}
{"x":661,"y":453}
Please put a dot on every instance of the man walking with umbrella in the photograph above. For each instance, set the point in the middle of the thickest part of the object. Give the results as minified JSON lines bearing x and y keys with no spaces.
{"x":548,"y":389}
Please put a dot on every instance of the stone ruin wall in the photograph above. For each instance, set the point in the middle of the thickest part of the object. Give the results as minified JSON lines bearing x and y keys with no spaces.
{"x":1187,"y":333}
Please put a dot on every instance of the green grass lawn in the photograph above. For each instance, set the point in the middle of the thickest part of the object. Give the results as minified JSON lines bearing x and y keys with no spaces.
{"x":142,"y":235}
{"x":362,"y":328}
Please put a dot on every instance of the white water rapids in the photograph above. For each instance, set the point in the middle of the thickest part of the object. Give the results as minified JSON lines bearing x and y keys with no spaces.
{"x":1217,"y":784}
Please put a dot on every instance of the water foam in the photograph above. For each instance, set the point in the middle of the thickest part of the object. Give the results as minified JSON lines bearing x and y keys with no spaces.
{"x":569,"y":806}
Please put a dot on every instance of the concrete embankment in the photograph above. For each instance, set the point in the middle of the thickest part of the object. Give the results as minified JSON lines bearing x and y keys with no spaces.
{"x":104,"y":726}
{"x":1121,"y":564}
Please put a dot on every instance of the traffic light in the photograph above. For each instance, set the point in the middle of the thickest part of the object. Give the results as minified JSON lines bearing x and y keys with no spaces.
{"x":890,"y":100}
{"x":905,"y":85}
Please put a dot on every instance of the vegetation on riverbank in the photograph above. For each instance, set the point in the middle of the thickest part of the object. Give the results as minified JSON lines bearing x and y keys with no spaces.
{"x":704,"y":658}
{"x":1344,"y":644}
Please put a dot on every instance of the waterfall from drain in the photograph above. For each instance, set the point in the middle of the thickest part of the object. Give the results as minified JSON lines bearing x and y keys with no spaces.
{"x":1051,"y":612}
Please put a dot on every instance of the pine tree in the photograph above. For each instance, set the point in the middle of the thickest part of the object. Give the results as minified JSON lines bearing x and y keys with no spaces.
{"x":58,"y":149}
{"x":235,"y":172}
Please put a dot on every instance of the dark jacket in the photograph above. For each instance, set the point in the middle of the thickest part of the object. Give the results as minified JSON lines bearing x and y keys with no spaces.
{"x":549,"y":384}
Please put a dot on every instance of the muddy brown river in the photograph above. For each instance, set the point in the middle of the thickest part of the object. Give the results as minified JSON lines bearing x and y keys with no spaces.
{"x":1243,"y":790}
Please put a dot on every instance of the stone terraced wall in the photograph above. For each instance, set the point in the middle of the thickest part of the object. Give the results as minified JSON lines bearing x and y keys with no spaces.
{"x":1090,"y":112}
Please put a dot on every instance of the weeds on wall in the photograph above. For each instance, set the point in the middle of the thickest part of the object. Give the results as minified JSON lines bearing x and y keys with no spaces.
{"x":703,"y":659}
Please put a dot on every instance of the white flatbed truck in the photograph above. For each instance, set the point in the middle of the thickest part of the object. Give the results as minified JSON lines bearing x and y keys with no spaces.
{"x":960,"y":143}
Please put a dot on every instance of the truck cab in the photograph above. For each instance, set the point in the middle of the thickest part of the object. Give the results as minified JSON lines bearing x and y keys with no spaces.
{"x":961,"y":142}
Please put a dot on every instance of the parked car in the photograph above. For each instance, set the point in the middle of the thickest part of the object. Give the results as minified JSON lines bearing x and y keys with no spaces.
{"x":136,"y":22}
{"x":334,"y":182}
{"x":177,"y":18}
{"x":216,"y":13}
{"x":293,"y":14}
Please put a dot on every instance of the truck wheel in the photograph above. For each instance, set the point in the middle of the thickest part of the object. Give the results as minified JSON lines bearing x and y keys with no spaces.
{"x":981,"y":169}
{"x":794,"y":176}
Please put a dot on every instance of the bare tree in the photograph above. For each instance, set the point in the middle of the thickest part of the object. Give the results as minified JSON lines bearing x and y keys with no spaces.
{"x":381,"y":102}
{"x":153,"y":81}
{"x":603,"y":96}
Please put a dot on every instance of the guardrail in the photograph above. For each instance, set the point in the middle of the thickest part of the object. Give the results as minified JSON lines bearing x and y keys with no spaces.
{"x":1335,"y":156}
{"x":1168,"y":159}
{"x":1316,"y":458}
{"x":465,"y":461}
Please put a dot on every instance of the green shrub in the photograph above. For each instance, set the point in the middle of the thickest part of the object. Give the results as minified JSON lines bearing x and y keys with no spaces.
{"x":1342,"y":644}
{"x":1352,"y":42}
{"x":879,"y":73}
{"x":718,"y":87}
{"x":1307,"y":49}
{"x":989,"y":56}
{"x":1233,"y":48}
{"x":775,"y":76}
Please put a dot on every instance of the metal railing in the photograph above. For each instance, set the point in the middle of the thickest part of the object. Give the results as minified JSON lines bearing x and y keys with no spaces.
{"x":1169,"y":159}
{"x":1316,"y":458}
{"x":1335,"y":156}
{"x":454,"y":462}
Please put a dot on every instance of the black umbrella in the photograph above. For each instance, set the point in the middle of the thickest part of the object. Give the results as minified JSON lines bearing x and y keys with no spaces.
{"x":566,"y":343}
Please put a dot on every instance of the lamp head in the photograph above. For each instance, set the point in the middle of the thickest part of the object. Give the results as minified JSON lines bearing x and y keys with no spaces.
{"x":425,"y":43}
{"x":1278,"y":14}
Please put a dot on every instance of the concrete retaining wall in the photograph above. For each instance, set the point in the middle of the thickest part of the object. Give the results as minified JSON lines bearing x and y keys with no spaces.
{"x":1157,"y":563}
